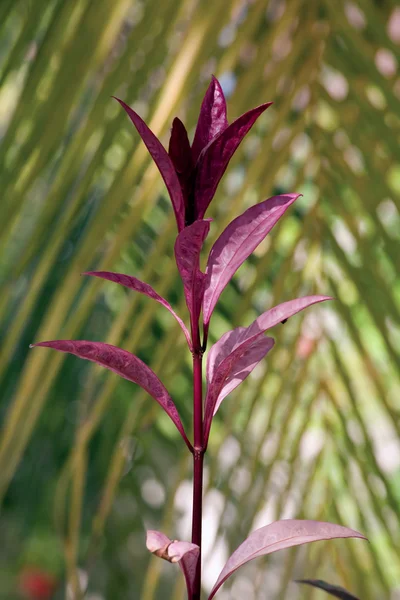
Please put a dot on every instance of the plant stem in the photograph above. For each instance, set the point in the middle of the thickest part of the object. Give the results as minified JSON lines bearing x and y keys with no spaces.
{"x":198,"y":455}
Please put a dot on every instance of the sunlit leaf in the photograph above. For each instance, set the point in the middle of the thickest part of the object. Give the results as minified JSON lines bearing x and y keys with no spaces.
{"x":240,"y":238}
{"x":279,"y":536}
{"x":124,"y":364}
{"x":184,"y":553}
{"x":212,"y":119}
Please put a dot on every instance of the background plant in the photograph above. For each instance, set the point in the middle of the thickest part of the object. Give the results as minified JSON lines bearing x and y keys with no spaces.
{"x":337,"y":144}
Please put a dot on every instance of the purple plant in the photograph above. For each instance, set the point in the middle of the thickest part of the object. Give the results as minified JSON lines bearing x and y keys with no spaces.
{"x":191,"y":174}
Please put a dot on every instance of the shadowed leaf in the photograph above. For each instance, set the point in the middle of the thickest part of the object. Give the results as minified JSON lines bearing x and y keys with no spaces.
{"x":181,"y":156}
{"x":163,"y":162}
{"x":187,"y":255}
{"x":333,"y":590}
{"x":279,"y":536}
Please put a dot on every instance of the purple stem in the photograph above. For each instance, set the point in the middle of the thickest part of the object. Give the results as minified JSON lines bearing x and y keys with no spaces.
{"x":198,"y":456}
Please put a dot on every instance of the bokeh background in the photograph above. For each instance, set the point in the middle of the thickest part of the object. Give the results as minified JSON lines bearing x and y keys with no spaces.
{"x":87,"y":461}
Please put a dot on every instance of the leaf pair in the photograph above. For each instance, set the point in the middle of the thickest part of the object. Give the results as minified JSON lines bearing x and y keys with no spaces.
{"x":192,"y":173}
{"x":266,"y":540}
{"x":238,"y":352}
{"x":236,"y":243}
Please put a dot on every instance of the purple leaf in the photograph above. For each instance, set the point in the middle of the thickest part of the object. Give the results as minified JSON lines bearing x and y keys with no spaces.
{"x":225,"y":375}
{"x":236,"y":243}
{"x":143,"y":288}
{"x":163,"y":162}
{"x":280,"y":313}
{"x":212,"y":119}
{"x":278,"y":536}
{"x":238,"y":352}
{"x":181,"y":156}
{"x":187,"y":255}
{"x":185,"y":553}
{"x":333,"y":590}
{"x":214,"y":158}
{"x":126,"y":365}
{"x":242,"y":367}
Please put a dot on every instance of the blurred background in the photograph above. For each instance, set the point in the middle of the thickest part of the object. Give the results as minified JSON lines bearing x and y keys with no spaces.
{"x":88,"y":461}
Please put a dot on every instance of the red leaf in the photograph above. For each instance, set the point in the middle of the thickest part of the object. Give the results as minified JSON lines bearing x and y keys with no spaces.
{"x":236,"y":243}
{"x":226,"y":374}
{"x":126,"y":365}
{"x":163,"y":162}
{"x":187,"y":255}
{"x":240,"y":350}
{"x":181,"y":156}
{"x":278,"y":536}
{"x":143,"y":288}
{"x":279,"y":313}
{"x":212,"y":119}
{"x":185,"y":553}
{"x":215,"y":157}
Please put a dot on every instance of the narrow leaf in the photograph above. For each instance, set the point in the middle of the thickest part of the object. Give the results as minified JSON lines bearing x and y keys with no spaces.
{"x":239,"y":350}
{"x":231,"y":370}
{"x":215,"y":157}
{"x":333,"y":590}
{"x":187,"y":255}
{"x":280,"y":313}
{"x":181,"y":155}
{"x":212,"y":119}
{"x":279,"y":536}
{"x":163,"y":162}
{"x":240,"y":238}
{"x":143,"y":288}
{"x":126,"y":365}
{"x":184,"y":553}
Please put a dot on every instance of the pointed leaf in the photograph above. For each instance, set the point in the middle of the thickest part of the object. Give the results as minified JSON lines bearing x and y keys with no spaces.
{"x":163,"y":162}
{"x":215,"y":157}
{"x":126,"y":365}
{"x":212,"y":119}
{"x":185,"y":553}
{"x":253,"y":354}
{"x":229,"y":372}
{"x":240,"y":238}
{"x":225,"y":356}
{"x":333,"y":590}
{"x":280,"y":313}
{"x":143,"y":288}
{"x":187,"y":255}
{"x":181,"y":155}
{"x":278,"y":536}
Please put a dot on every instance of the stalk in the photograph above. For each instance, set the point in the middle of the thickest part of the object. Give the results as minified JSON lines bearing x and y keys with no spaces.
{"x":198,"y":457}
